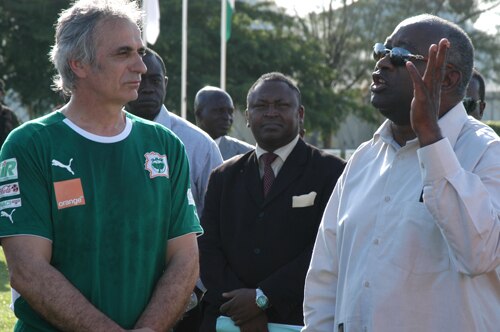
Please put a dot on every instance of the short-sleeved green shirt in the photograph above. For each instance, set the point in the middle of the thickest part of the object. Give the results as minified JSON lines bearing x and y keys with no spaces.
{"x":108,"y":204}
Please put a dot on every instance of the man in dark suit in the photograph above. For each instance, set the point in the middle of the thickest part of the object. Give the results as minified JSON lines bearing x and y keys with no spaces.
{"x":259,"y":236}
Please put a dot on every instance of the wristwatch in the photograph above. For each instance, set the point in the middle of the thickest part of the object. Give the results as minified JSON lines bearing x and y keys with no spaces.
{"x":261,"y":299}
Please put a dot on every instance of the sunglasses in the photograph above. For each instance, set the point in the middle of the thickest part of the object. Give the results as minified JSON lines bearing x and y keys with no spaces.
{"x":398,"y":56}
{"x":470,"y":104}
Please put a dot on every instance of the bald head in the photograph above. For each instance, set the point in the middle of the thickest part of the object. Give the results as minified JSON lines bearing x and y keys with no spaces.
{"x":214,"y":109}
{"x":461,"y":51}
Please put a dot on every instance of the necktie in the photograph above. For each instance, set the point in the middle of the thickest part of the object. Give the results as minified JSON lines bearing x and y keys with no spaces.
{"x":268,"y":177}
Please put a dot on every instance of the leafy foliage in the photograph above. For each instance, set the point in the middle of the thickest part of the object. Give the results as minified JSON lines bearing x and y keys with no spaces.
{"x":329,"y":53}
{"x":27,"y":34}
{"x":347,"y":33}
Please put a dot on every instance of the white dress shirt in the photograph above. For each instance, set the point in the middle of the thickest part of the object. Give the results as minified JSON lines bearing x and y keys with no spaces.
{"x":386,"y":261}
{"x":282,"y":153}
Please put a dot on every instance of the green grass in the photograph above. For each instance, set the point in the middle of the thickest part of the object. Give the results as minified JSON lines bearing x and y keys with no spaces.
{"x":7,"y":318}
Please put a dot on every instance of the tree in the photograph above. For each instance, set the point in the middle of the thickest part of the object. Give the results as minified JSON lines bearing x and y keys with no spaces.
{"x":347,"y":31}
{"x":26,"y":38}
{"x":263,"y":39}
{"x":328,"y":53}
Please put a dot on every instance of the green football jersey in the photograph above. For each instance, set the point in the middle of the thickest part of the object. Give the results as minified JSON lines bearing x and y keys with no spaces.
{"x":108,"y":204}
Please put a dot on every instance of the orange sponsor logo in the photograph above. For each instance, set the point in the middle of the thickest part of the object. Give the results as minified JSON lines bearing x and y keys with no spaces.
{"x":69,"y":193}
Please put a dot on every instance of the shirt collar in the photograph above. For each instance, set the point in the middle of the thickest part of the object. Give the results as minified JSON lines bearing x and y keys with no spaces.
{"x":451,"y":124}
{"x":163,"y":117}
{"x":283,"y":152}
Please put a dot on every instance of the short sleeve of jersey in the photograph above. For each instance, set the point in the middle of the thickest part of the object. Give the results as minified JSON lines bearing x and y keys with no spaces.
{"x":24,"y":193}
{"x":184,"y":217}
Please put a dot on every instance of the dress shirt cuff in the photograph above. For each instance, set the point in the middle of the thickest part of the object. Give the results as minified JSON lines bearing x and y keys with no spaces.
{"x":437,"y":160}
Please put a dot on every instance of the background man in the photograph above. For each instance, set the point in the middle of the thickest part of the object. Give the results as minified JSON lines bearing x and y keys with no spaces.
{"x":96,"y":221}
{"x":214,"y":109}
{"x":260,"y":231}
{"x":409,"y":239}
{"x":202,"y":151}
{"x":474,"y":100}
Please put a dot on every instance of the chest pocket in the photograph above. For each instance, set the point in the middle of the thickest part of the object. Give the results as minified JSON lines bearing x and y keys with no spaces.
{"x":418,"y":246}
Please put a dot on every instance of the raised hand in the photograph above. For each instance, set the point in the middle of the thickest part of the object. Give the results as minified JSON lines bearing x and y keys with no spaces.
{"x":425,"y":105}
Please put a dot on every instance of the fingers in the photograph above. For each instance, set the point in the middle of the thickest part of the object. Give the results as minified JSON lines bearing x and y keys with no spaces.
{"x":223,"y":308}
{"x":438,"y":54}
{"x":437,"y":61}
{"x":442,"y":52}
{"x":435,"y":69}
{"x":226,"y":307}
{"x":414,"y":74}
{"x":228,"y":294}
{"x":431,"y":61}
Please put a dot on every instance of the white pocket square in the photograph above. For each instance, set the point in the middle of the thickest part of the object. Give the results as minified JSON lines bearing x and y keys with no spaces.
{"x":303,"y":200}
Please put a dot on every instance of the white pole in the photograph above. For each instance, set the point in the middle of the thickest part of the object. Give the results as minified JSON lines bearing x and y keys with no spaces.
{"x":184,"y":59}
{"x":223,"y":27}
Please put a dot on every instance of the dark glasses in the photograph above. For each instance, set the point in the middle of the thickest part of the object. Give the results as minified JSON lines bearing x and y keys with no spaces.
{"x":470,"y":104}
{"x":398,"y":56}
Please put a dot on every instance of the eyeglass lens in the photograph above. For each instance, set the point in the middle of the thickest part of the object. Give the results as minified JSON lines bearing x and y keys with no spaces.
{"x":397,"y":55}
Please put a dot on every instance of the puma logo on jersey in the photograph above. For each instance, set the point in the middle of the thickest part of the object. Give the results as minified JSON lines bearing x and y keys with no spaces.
{"x":5,"y":214}
{"x":67,"y":167}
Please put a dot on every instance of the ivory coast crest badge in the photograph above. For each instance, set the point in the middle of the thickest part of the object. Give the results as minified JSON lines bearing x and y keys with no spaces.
{"x":156,"y":164}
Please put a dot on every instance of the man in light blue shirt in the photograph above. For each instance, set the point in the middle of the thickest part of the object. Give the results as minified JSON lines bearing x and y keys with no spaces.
{"x":214,"y":109}
{"x":202,"y":151}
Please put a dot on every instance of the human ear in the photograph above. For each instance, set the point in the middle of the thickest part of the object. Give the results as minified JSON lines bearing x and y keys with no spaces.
{"x":451,"y":80}
{"x":78,"y":68}
{"x":482,"y":106}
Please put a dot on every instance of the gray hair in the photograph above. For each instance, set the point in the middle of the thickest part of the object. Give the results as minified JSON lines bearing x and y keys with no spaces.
{"x":461,"y":52}
{"x":75,"y":37}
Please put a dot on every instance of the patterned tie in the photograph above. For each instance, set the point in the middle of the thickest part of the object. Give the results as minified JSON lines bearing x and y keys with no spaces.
{"x":268,"y":177}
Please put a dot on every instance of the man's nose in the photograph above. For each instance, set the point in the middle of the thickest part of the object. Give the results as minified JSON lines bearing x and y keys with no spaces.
{"x":271,"y":109}
{"x":384,"y":62}
{"x":139,"y":66}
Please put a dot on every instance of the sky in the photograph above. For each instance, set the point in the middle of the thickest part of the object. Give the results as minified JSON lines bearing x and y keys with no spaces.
{"x":486,"y":22}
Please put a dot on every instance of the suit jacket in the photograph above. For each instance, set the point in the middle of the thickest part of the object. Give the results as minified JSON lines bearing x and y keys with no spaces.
{"x":230,"y":147}
{"x":251,"y":241}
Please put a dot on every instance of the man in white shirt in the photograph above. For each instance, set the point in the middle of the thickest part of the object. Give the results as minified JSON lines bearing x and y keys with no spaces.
{"x":410,"y":237}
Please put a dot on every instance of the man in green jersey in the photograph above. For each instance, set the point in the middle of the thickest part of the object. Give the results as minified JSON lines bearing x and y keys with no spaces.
{"x":97,"y":220}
